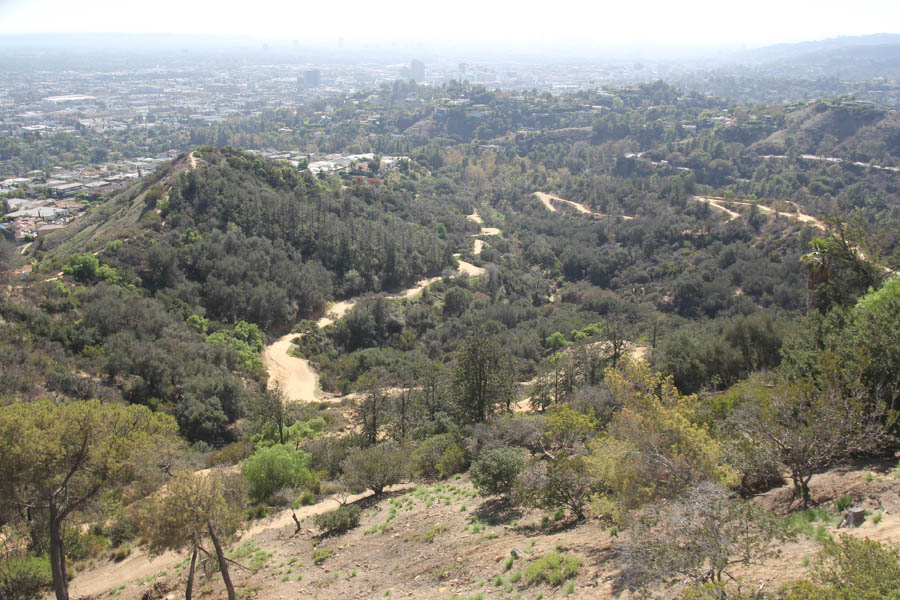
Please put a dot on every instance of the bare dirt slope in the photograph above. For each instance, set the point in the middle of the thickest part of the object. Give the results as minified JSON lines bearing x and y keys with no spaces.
{"x":442,"y":541}
{"x":139,"y":565}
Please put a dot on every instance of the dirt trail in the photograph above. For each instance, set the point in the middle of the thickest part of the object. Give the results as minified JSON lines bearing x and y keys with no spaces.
{"x":192,"y":160}
{"x":548,"y":199}
{"x":479,"y":244}
{"x":140,"y":564}
{"x":796,"y":216}
{"x":716,"y":202}
{"x":833,"y":159}
{"x":296,"y":377}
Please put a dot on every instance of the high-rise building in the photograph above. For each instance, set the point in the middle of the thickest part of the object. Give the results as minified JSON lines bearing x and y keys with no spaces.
{"x":417,"y":70}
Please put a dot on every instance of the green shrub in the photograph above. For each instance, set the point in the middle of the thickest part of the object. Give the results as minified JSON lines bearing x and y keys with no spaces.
{"x":122,"y":529}
{"x":84,"y":545}
{"x":848,"y":569}
{"x":811,"y":522}
{"x":430,"y":535}
{"x":231,"y":454}
{"x":428,"y":455}
{"x":329,"y":452}
{"x":307,"y":498}
{"x":495,"y":471}
{"x":844,"y":502}
{"x":858,"y":569}
{"x":375,"y":468}
{"x":338,"y":520}
{"x":83,"y":267}
{"x":320,"y":555}
{"x":25,"y":577}
{"x":453,"y":461}
{"x":552,"y":568}
{"x":271,"y":469}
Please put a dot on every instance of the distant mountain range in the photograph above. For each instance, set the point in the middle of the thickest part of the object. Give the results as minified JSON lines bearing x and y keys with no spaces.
{"x":852,"y":57}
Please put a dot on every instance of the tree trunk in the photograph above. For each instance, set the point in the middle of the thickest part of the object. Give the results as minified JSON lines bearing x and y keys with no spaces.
{"x":190,"y":582}
{"x":57,"y":555}
{"x":804,"y":489}
{"x":223,"y":564}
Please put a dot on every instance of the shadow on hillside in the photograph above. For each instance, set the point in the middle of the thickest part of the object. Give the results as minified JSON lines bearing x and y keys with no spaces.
{"x":498,"y":511}
{"x":373,"y":501}
{"x":548,"y":527}
{"x":613,"y":571}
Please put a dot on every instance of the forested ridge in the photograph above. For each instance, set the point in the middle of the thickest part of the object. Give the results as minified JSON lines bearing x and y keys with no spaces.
{"x":700,"y":316}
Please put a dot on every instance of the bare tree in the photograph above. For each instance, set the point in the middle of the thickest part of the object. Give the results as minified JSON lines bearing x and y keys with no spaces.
{"x":811,"y":427}
{"x":699,"y":537}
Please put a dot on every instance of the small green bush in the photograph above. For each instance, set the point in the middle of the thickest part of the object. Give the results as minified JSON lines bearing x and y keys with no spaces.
{"x":495,"y":471}
{"x":276,"y":467}
{"x":307,"y":498}
{"x":320,"y":555}
{"x":25,"y":577}
{"x":438,"y":456}
{"x":231,"y":454}
{"x":855,"y":569}
{"x":339,"y":520}
{"x":375,"y":468}
{"x":453,"y":461}
{"x":844,"y":502}
{"x":122,"y":529}
{"x":429,"y":537}
{"x":84,"y":545}
{"x":552,"y":568}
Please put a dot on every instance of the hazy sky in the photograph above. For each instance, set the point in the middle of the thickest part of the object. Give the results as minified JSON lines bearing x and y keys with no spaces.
{"x":658,"y":22}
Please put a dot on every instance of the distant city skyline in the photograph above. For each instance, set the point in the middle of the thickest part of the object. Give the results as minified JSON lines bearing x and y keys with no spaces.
{"x":523,"y":24}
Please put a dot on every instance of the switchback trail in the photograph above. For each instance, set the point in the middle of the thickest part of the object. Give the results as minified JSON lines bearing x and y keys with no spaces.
{"x":478,"y":245}
{"x":716,"y":202}
{"x":296,"y":377}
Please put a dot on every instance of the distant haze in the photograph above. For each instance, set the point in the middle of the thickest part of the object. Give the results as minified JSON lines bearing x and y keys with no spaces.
{"x":522,"y":25}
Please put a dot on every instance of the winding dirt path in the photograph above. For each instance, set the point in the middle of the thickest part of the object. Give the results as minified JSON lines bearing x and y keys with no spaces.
{"x":478,"y":245}
{"x":548,"y":199}
{"x":296,"y":377}
{"x":716,"y":202}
